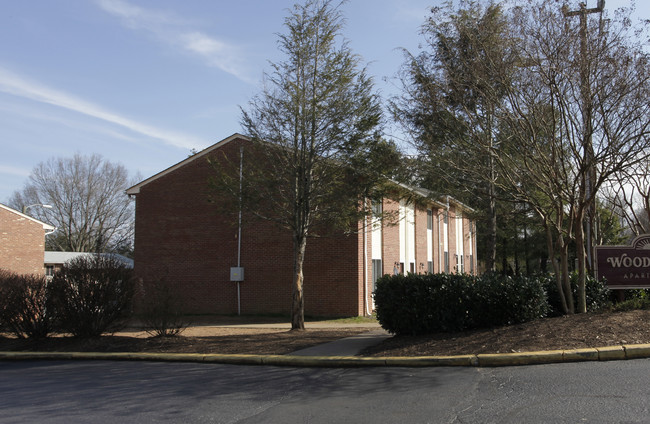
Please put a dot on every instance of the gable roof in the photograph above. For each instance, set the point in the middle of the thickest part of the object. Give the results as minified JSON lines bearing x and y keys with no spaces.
{"x":442,"y":202}
{"x":46,"y":227}
{"x":417,"y":190}
{"x":136,"y":188}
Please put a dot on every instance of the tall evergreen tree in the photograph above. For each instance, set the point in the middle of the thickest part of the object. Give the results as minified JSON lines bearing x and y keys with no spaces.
{"x":315,"y":137}
{"x":453,"y":90}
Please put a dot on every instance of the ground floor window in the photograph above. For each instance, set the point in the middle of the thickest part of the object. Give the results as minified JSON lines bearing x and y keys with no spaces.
{"x":377,"y":272}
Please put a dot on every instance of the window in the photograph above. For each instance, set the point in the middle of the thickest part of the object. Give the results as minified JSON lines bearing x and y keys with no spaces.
{"x":376,"y":272}
{"x":430,"y":267}
{"x":429,"y":219}
{"x":376,"y":209}
{"x":49,"y":270}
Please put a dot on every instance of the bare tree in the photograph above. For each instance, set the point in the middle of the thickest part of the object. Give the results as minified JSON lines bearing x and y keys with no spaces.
{"x":578,"y":112}
{"x":90,"y":208}
{"x":628,"y":196}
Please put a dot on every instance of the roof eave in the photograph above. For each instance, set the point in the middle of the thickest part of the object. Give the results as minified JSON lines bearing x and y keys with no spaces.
{"x":132,"y":191}
{"x":46,"y":227}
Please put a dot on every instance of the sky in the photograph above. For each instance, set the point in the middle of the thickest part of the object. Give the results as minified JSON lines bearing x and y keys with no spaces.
{"x":145,"y":82}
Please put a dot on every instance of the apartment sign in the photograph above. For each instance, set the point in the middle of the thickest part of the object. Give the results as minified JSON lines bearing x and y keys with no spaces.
{"x":625,"y":267}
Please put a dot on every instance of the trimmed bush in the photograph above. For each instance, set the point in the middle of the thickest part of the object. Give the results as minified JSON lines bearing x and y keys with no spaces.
{"x":24,"y":305}
{"x":420,"y":304}
{"x":501,"y":300}
{"x":92,"y":295}
{"x":427,"y":303}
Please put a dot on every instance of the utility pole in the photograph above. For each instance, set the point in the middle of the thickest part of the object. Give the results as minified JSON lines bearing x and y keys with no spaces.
{"x":587,"y":143}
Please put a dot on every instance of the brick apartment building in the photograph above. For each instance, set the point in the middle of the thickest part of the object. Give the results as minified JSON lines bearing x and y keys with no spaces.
{"x":22,"y":242}
{"x":180,"y":238}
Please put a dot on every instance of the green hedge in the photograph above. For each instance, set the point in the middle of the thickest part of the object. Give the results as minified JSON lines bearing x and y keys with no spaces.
{"x":597,"y":293}
{"x":427,"y":303}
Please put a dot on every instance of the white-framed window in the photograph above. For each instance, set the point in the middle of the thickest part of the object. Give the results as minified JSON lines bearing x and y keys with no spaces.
{"x":407,"y":237}
{"x":377,"y":272}
{"x":459,"y":244}
{"x":445,"y":239}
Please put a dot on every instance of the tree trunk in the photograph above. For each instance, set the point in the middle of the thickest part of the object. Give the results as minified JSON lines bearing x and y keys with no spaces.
{"x":556,"y":270}
{"x":492,"y":228}
{"x":297,"y":303}
{"x":566,"y":281}
{"x":580,"y":252}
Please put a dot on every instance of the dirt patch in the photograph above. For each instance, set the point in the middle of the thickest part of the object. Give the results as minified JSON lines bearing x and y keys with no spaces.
{"x":566,"y":332}
{"x":205,"y":340}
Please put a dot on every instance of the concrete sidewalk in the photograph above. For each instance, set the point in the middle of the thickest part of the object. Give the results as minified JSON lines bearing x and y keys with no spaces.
{"x":349,"y":346}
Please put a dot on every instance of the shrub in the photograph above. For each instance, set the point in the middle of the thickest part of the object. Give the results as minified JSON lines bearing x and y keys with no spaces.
{"x":597,"y":293}
{"x":632,"y":304}
{"x":24,"y":305}
{"x":500,"y":300}
{"x":420,"y":304}
{"x":92,"y":295}
{"x":162,"y":312}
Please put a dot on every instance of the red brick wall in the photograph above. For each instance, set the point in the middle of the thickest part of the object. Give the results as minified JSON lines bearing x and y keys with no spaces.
{"x":390,"y":236}
{"x":180,"y":236}
{"x":22,"y":243}
{"x":420,"y":240}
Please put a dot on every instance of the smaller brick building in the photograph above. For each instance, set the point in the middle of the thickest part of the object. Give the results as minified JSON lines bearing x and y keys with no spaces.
{"x":22,"y":242}
{"x":180,"y":238}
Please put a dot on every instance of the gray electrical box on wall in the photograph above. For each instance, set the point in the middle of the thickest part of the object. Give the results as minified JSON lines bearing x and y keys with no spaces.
{"x":236,"y":273}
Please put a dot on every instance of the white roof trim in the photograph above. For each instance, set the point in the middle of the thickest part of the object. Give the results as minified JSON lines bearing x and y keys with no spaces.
{"x":445,"y":202}
{"x":47,"y":227}
{"x":136,"y":188}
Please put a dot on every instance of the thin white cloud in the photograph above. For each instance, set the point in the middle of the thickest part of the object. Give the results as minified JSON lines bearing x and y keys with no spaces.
{"x":18,"y":86}
{"x":176,"y":32}
{"x":12,"y":170}
{"x":79,"y":125}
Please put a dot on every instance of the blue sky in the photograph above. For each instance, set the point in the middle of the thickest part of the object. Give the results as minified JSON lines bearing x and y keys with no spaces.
{"x":143,"y":82}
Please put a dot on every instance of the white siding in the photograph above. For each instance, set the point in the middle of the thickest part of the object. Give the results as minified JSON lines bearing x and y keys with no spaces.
{"x":460,"y":258}
{"x":375,"y":235}
{"x":407,"y":236}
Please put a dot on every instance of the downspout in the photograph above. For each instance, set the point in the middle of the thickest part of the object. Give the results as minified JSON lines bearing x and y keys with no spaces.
{"x":365,"y":262}
{"x":241,"y":178}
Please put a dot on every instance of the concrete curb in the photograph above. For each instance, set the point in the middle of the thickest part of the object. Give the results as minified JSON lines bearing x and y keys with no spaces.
{"x":607,"y":353}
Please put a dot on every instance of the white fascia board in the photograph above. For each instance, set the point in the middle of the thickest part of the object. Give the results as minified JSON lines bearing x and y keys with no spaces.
{"x":46,"y":227}
{"x":136,"y":188}
{"x":423,"y":192}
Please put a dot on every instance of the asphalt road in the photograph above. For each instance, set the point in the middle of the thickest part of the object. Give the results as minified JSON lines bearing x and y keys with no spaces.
{"x":149,"y":392}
